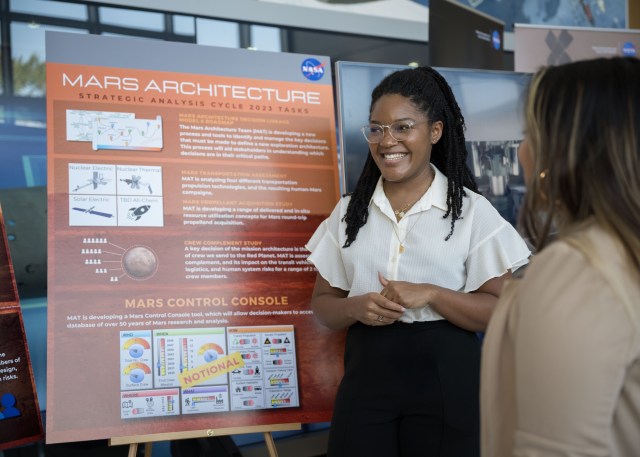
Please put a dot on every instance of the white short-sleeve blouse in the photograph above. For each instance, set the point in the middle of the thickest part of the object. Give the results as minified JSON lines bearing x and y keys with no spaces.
{"x":483,"y":246}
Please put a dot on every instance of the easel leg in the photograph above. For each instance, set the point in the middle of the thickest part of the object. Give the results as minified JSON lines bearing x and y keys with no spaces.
{"x":133,"y":449}
{"x":148,"y":448}
{"x":271,"y":445}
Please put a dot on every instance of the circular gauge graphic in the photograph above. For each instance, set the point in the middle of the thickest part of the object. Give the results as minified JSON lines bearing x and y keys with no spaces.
{"x":210,"y":356}
{"x":136,"y":375}
{"x":139,"y":262}
{"x":137,"y":371}
{"x":210,"y":351}
{"x":136,"y":351}
{"x":136,"y":347}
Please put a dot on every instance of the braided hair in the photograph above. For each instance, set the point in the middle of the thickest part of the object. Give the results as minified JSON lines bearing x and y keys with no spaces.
{"x":431,"y":94}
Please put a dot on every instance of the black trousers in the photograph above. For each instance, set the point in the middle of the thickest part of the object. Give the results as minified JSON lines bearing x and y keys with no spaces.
{"x":408,"y":390}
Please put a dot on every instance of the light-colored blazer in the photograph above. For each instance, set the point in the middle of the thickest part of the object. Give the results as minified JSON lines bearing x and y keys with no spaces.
{"x":561,"y":357}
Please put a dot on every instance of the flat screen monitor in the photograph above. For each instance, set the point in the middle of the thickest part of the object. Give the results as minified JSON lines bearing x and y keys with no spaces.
{"x":462,"y":37}
{"x":491,"y":103}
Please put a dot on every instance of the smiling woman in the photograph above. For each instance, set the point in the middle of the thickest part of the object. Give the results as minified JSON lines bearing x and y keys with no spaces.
{"x":411,"y":264}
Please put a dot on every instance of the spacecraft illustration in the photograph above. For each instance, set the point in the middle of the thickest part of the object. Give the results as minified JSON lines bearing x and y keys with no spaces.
{"x":136,"y":213}
{"x":97,"y":180}
{"x":91,"y":211}
{"x":135,"y":183}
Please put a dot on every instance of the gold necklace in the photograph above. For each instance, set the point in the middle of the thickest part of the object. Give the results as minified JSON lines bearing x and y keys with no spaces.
{"x":401,"y":249}
{"x":402,"y":212}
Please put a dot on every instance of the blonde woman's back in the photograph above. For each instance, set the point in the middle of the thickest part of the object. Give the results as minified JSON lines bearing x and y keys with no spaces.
{"x":561,"y":359}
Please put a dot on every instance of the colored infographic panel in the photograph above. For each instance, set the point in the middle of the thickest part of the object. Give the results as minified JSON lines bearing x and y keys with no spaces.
{"x":115,"y":195}
{"x":152,"y":362}
{"x":182,"y":189}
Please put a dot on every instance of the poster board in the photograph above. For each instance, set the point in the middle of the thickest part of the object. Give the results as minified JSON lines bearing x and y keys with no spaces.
{"x":20,"y":421}
{"x":491,"y":103}
{"x":183,"y":184}
{"x":537,"y":46}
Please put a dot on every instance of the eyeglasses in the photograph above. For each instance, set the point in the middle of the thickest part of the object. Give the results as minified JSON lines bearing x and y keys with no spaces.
{"x":399,"y":131}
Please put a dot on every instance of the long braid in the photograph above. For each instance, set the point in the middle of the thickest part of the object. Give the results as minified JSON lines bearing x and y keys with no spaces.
{"x":358,"y":209}
{"x":452,"y":151}
{"x":429,"y":92}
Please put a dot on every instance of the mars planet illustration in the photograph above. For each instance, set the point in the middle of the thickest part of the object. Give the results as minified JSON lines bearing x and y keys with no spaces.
{"x":140,"y":262}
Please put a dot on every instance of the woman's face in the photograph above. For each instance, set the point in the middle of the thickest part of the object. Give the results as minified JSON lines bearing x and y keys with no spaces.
{"x":527,"y":161}
{"x":407,"y":160}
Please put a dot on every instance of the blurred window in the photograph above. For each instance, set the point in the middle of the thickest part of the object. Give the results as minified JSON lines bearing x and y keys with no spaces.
{"x":28,"y":56}
{"x":217,"y":33}
{"x":50,"y":9}
{"x":184,"y":25}
{"x":1,"y":69}
{"x":264,"y":38}
{"x":142,"y":20}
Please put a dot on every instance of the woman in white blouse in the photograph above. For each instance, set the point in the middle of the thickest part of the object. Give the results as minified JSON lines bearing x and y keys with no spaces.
{"x":412,"y":263}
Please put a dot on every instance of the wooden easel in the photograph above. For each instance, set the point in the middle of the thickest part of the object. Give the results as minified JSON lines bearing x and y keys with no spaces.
{"x":266,"y":430}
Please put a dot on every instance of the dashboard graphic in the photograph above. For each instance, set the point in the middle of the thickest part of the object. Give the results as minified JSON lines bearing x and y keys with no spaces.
{"x":151,"y":361}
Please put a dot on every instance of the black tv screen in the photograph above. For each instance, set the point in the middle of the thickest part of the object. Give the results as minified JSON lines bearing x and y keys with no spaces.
{"x":462,"y":37}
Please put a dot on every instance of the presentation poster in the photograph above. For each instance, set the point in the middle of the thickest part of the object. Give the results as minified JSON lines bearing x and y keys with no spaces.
{"x":537,"y":46}
{"x":20,"y":421}
{"x":183,"y":184}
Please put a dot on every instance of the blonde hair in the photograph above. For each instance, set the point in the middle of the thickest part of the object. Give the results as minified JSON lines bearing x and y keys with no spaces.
{"x":583,"y":128}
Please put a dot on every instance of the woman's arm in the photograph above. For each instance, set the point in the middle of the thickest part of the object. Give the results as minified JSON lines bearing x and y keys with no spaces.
{"x":337,"y":311}
{"x":470,"y":311}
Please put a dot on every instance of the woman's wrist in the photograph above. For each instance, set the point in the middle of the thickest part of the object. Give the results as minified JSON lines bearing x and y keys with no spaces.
{"x":433,"y":296}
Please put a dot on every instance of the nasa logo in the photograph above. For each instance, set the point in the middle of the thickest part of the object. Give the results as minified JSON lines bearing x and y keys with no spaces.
{"x":312,"y":69}
{"x":628,"y":49}
{"x":495,"y":39}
